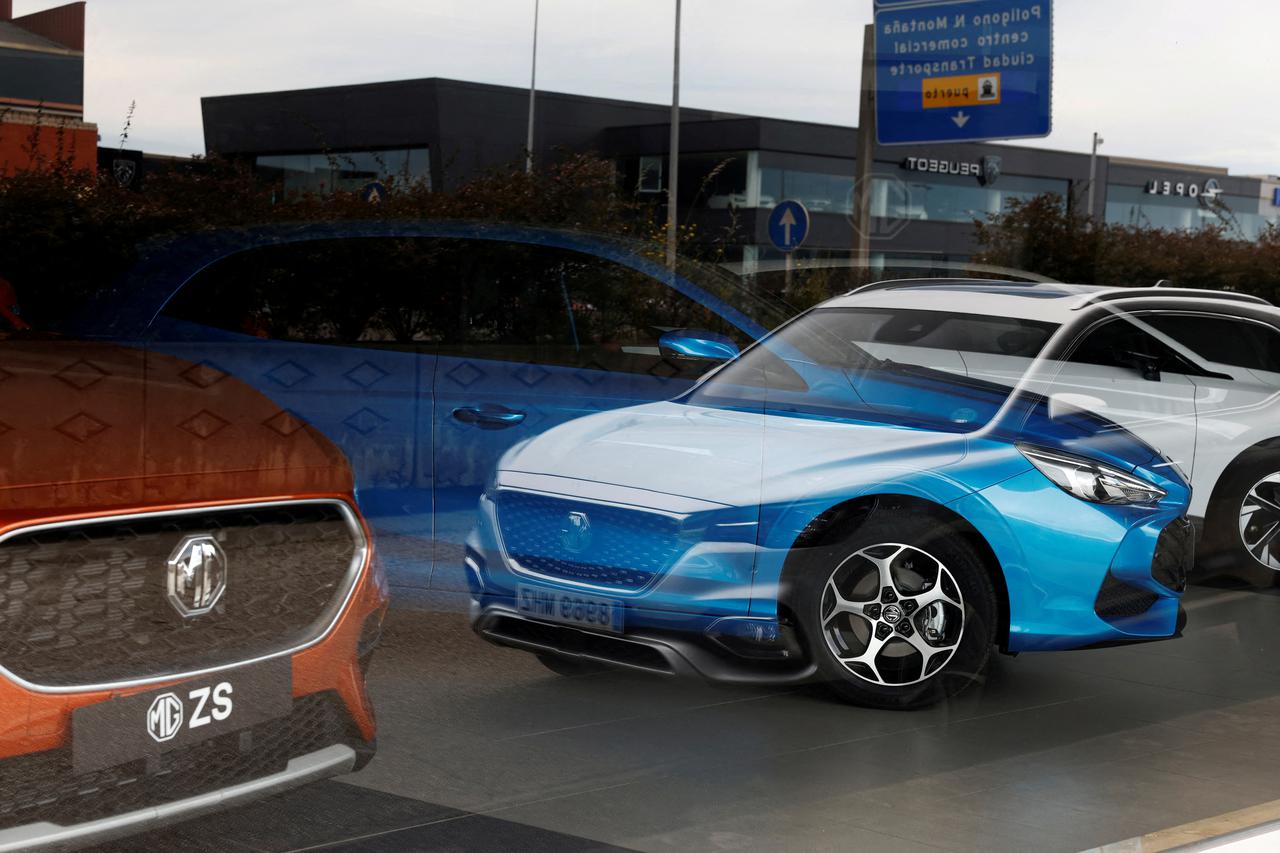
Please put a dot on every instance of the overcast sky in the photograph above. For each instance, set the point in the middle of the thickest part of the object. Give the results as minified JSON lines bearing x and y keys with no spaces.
{"x":1181,"y":80}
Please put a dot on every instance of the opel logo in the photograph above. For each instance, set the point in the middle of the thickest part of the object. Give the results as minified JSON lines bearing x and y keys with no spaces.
{"x":197,"y":575}
{"x":892,"y":614}
{"x":575,"y":534}
{"x":164,"y":717}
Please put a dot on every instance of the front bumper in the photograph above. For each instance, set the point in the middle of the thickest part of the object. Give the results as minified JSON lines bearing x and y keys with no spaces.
{"x":312,"y":767}
{"x":671,"y":652}
{"x":330,"y":730}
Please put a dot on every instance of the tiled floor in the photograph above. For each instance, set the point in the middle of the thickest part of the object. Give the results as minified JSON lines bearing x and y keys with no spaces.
{"x":482,"y":749}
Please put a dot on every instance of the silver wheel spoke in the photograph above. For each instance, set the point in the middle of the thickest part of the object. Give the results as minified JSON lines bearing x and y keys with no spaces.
{"x":883,"y":567}
{"x":926,"y":651}
{"x":843,"y":605}
{"x":1260,"y":522}
{"x":1264,"y":503}
{"x":936,"y":594}
{"x":868,"y":657}
{"x":1259,"y":548}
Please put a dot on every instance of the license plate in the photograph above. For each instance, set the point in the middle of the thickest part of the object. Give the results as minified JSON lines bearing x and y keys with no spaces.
{"x":571,"y":608}
{"x":147,"y":725}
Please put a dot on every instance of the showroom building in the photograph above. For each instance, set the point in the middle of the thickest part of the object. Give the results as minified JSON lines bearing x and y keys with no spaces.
{"x":733,"y":168}
{"x":42,"y":90}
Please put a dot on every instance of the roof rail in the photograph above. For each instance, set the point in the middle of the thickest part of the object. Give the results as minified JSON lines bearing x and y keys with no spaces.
{"x":1182,"y":292}
{"x":896,"y":283}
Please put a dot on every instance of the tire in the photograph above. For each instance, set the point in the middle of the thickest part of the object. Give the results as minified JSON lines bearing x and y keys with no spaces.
{"x":931,"y":567}
{"x":569,"y":667}
{"x":1246,"y":508}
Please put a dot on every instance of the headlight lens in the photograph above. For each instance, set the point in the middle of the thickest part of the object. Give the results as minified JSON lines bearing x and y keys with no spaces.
{"x":1091,"y":481}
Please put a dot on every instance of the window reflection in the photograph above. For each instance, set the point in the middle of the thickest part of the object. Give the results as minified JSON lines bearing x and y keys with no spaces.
{"x":1130,"y":205}
{"x":347,"y":171}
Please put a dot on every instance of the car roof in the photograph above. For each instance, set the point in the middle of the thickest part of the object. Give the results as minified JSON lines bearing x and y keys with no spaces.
{"x":1051,"y":302}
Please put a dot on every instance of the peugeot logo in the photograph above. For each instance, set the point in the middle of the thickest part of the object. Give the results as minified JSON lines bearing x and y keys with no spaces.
{"x":575,"y":534}
{"x":164,"y":717}
{"x":197,"y":572}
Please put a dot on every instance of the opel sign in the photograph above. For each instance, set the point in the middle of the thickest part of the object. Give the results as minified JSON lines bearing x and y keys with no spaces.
{"x":1210,"y":189}
{"x":197,"y":575}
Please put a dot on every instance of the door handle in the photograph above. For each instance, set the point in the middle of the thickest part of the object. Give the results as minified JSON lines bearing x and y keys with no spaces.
{"x":488,"y":417}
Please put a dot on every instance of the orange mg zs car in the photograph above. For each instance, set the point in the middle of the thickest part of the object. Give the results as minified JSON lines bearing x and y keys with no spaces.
{"x":187,"y":595}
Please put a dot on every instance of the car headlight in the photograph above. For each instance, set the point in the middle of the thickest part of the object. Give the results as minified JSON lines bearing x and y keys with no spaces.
{"x":1091,"y":481}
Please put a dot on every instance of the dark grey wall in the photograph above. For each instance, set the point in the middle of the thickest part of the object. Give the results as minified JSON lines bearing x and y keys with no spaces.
{"x":470,"y":127}
{"x":47,"y":77}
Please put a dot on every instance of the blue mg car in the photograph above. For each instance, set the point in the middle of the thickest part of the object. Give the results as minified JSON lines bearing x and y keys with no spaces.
{"x":811,"y":510}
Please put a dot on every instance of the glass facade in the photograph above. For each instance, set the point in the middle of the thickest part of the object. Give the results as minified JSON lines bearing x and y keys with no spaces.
{"x":346,"y":170}
{"x":956,"y":198}
{"x":819,"y":192}
{"x":939,"y":198}
{"x":1242,"y":216}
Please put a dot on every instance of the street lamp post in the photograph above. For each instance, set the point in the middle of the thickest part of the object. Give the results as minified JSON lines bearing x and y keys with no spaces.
{"x":533,"y":89}
{"x":1093,"y":170}
{"x":673,"y":168}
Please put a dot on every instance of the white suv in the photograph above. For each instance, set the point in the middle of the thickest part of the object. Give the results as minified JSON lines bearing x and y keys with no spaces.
{"x":1195,"y":373}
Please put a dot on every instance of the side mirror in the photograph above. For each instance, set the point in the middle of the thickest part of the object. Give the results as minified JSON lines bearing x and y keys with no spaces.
{"x":697,"y":345}
{"x":1147,"y":365}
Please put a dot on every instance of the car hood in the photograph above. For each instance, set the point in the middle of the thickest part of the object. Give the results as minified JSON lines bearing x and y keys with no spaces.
{"x":91,"y":427}
{"x":728,"y":456}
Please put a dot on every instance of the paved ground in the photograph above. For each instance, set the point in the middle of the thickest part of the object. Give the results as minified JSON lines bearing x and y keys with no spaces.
{"x":482,"y":749}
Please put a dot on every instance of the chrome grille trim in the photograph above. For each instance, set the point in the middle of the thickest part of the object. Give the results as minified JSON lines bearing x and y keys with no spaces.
{"x":359,"y":560}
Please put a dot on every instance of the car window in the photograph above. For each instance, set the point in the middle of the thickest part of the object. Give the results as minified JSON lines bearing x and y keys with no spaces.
{"x":351,"y":292}
{"x":548,"y":305}
{"x":1237,"y":342}
{"x":1122,"y":344}
{"x":973,"y":333}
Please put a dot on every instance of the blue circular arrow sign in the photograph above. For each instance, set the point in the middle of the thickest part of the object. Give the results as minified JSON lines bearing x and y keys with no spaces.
{"x":788,"y":225}
{"x":374,"y":192}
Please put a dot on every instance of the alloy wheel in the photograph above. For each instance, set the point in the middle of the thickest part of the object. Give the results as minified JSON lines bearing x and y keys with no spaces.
{"x":892,"y":614}
{"x":1260,"y":521}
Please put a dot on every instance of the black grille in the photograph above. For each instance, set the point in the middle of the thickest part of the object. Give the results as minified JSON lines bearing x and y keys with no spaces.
{"x":41,"y":786}
{"x":88,"y":603}
{"x":1118,"y":600}
{"x":625,"y":548}
{"x":1175,"y":554}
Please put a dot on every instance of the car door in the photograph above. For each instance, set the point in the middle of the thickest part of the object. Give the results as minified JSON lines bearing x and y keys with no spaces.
{"x":1116,"y":368}
{"x":542,"y":334}
{"x":332,"y":331}
{"x":1237,"y":389}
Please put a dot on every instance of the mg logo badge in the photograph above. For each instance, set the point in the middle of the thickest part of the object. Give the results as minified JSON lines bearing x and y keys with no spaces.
{"x":575,"y":534}
{"x":197,"y":575}
{"x":164,"y":718}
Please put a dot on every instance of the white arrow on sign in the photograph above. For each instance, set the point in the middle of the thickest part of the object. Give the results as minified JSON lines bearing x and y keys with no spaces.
{"x":960,"y":119}
{"x":788,"y":219}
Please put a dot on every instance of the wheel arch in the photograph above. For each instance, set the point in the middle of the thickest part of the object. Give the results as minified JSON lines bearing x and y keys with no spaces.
{"x":1267,"y":444}
{"x":838,"y":521}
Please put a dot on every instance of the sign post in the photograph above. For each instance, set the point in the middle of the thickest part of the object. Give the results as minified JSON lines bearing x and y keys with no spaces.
{"x":963,"y":70}
{"x":788,"y":226}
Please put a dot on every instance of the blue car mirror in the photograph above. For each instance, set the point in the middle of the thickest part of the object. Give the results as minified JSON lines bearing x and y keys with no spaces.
{"x":698,"y":344}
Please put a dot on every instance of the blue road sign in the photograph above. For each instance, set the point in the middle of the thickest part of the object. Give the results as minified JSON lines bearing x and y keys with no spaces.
{"x":374,"y":192}
{"x":788,"y":225}
{"x":963,"y":70}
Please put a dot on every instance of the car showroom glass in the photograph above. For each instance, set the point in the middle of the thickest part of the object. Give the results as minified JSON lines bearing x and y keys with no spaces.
{"x":640,"y":426}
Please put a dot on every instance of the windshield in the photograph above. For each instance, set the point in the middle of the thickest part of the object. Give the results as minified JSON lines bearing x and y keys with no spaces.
{"x":930,"y":369}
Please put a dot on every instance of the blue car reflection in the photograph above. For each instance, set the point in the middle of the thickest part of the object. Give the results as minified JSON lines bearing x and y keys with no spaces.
{"x":811,"y":511}
{"x":426,"y":350}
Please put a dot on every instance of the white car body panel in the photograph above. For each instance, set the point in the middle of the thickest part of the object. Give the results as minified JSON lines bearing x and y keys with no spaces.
{"x":1201,"y":423}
